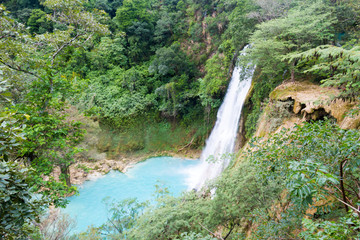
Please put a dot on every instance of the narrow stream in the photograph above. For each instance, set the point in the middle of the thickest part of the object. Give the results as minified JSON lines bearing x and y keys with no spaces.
{"x":138,"y":182}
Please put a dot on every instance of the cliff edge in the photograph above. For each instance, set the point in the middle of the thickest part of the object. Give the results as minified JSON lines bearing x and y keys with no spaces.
{"x":295,"y":102}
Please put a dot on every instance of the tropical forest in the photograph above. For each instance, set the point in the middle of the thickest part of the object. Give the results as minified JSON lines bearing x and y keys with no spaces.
{"x":179,"y":119}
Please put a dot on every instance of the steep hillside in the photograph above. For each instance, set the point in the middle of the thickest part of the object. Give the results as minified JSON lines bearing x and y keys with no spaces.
{"x":151,"y":75}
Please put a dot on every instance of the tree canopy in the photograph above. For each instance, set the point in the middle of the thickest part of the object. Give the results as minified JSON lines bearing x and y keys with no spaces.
{"x":153,"y":74}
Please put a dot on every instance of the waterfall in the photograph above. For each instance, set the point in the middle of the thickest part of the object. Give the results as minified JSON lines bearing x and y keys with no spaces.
{"x":220,"y":144}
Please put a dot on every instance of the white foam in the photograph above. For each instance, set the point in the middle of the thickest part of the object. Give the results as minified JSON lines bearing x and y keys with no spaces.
{"x":221,"y":141}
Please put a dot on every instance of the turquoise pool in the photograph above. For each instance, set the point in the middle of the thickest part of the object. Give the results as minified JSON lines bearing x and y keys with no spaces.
{"x":138,"y":182}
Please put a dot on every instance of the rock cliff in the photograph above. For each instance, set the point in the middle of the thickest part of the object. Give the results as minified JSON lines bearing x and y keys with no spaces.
{"x":295,"y":102}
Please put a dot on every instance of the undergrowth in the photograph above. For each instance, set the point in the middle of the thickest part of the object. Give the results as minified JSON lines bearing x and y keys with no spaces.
{"x":148,"y":135}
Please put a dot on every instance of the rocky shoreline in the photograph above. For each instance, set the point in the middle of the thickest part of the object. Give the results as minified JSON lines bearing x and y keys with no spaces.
{"x":83,"y":171}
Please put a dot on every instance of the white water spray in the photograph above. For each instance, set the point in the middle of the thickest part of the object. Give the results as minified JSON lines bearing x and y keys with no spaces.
{"x":215,"y":157}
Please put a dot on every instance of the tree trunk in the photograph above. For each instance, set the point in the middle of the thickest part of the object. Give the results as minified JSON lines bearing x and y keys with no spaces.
{"x":342,"y":185}
{"x":65,"y":171}
{"x":293,"y":71}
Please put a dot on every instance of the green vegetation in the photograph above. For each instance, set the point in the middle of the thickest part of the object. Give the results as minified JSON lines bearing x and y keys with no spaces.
{"x":34,"y":100}
{"x":153,"y":73}
{"x":306,"y":26}
{"x":299,"y":42}
{"x":284,"y":184}
{"x":19,"y":205}
{"x":38,"y":22}
{"x":337,"y":66}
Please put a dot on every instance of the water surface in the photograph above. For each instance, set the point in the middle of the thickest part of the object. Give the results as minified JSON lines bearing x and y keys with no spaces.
{"x":138,"y":182}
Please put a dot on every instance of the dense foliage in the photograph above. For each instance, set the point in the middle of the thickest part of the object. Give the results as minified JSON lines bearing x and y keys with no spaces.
{"x":299,"y":184}
{"x":34,"y":130}
{"x":20,"y":206}
{"x":153,"y":74}
{"x":286,"y":183}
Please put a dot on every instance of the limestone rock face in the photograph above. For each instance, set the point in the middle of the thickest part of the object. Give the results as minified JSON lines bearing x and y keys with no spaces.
{"x":308,"y":101}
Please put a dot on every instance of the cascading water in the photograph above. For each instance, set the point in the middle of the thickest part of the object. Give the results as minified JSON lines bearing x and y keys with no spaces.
{"x":87,"y":207}
{"x":215,"y":157}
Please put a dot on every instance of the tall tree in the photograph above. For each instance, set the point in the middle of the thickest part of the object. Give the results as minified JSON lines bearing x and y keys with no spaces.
{"x":33,"y":61}
{"x":132,"y":11}
{"x":175,"y":71}
{"x":306,"y":26}
{"x":18,"y":204}
{"x":337,"y":66}
{"x":38,"y":22}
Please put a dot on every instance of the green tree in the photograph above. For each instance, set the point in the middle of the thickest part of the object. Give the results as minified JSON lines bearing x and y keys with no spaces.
{"x":212,"y":86}
{"x":50,"y":140}
{"x":109,"y":53}
{"x":19,"y":204}
{"x":316,"y":161}
{"x":132,"y":11}
{"x":240,"y":25}
{"x":239,"y":192}
{"x":21,"y":9}
{"x":164,"y":28}
{"x":139,"y":38}
{"x":346,"y":228}
{"x":271,"y":9}
{"x":347,"y":13}
{"x":122,"y":217}
{"x":174,"y":70}
{"x":337,"y":66}
{"x":171,"y":217}
{"x":11,"y":133}
{"x":170,"y":61}
{"x":38,"y":22}
{"x":316,"y":165}
{"x":305,"y":27}
{"x":120,"y":93}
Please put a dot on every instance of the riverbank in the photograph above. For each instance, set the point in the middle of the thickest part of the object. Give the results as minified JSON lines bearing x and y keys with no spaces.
{"x":87,"y":170}
{"x":98,"y":160}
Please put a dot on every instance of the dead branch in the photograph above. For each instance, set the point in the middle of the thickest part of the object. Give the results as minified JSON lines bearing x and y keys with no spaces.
{"x":187,"y":145}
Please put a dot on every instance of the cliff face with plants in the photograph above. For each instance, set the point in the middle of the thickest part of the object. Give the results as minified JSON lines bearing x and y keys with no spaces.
{"x":152,"y":75}
{"x":297,"y":102}
{"x":298,"y":175}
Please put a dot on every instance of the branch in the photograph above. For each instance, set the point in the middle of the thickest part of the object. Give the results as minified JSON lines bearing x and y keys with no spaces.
{"x":114,"y":225}
{"x":348,"y":205}
{"x":211,"y":232}
{"x":254,"y":195}
{"x":354,"y":191}
{"x":18,"y":68}
{"x":90,"y":36}
{"x":187,"y":145}
{"x":227,"y":235}
{"x":63,"y":46}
